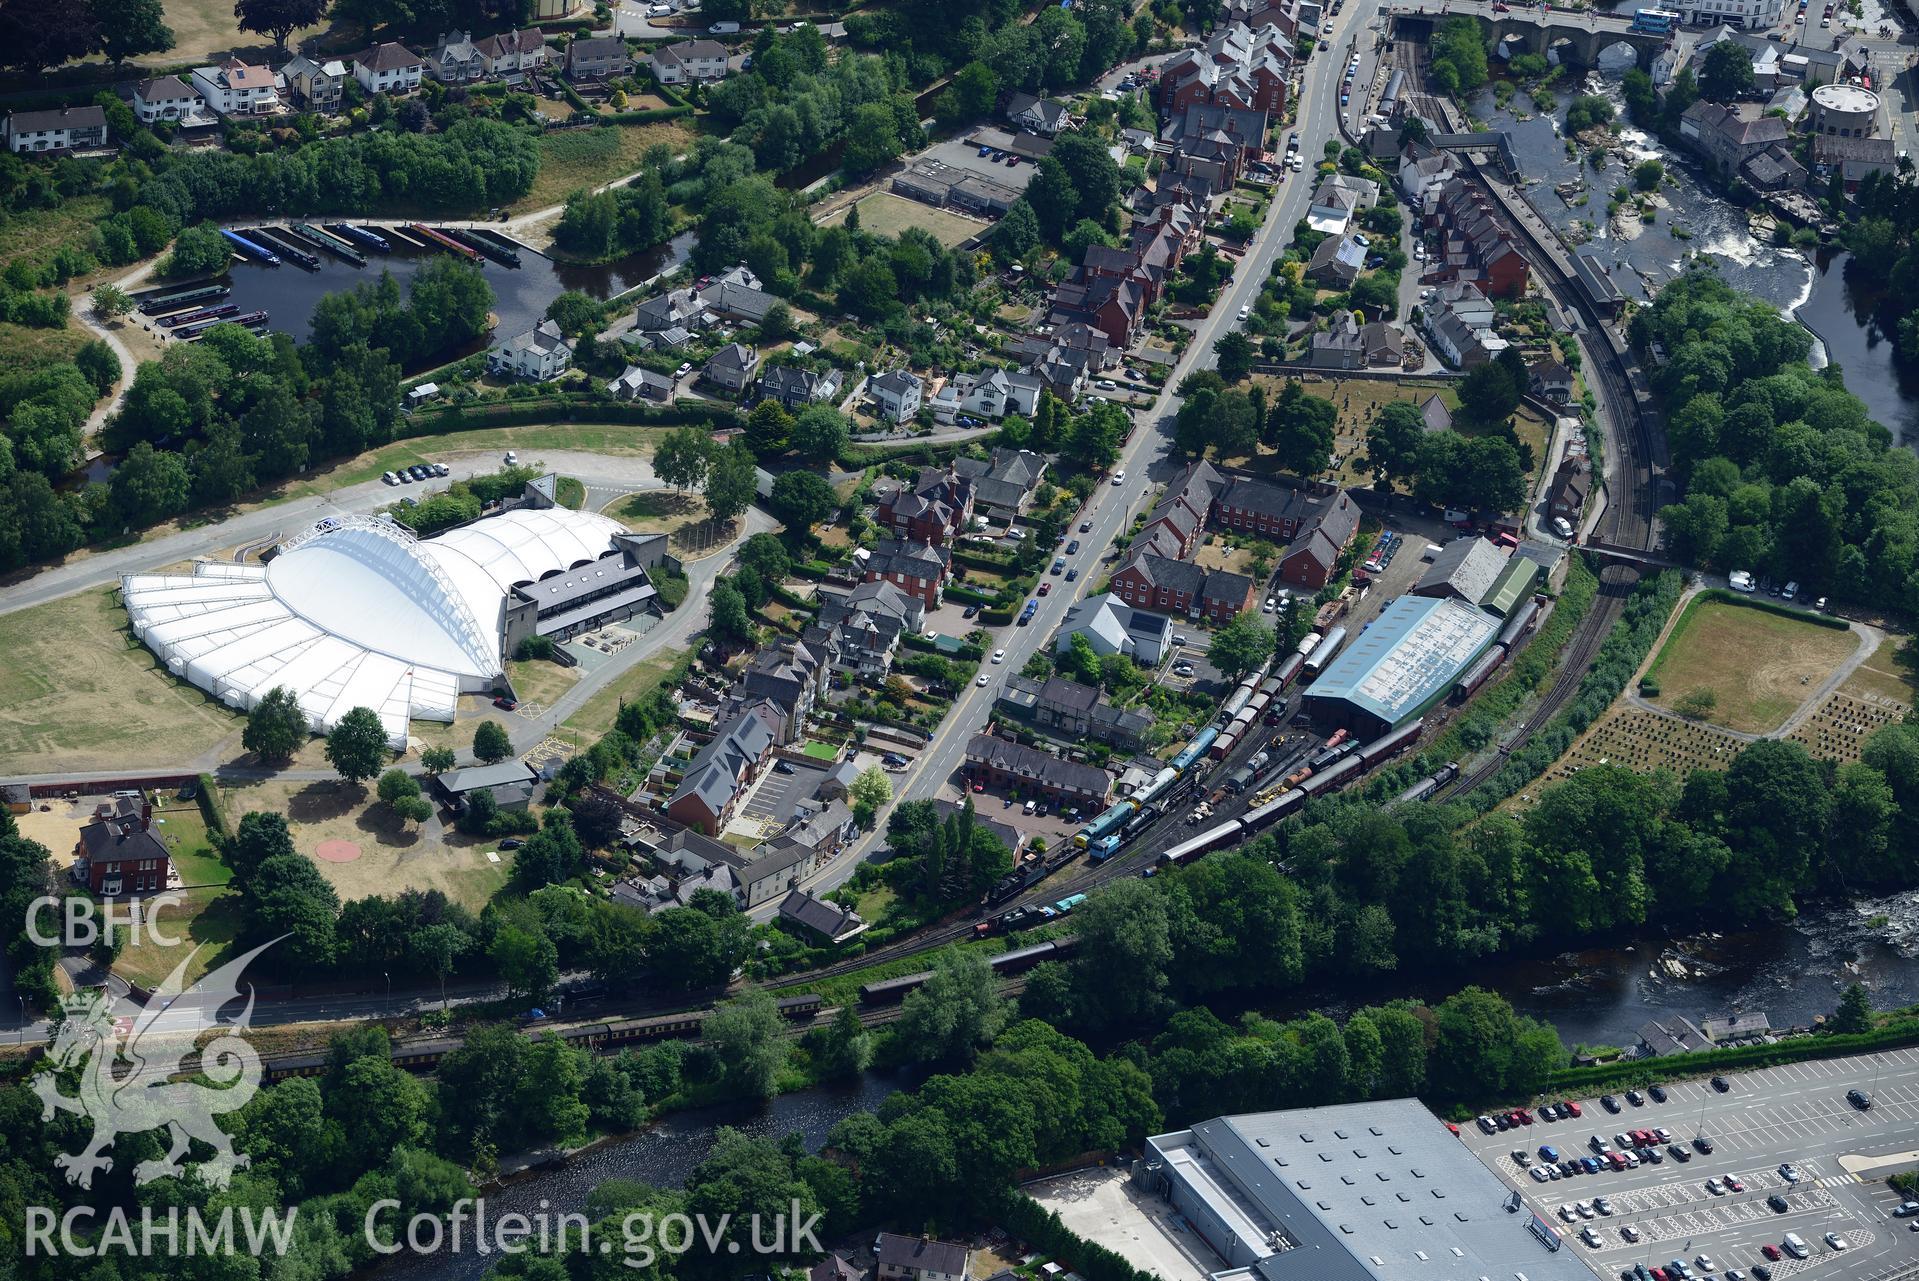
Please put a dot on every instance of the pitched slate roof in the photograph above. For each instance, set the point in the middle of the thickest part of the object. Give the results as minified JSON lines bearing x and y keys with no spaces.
{"x":388,"y":56}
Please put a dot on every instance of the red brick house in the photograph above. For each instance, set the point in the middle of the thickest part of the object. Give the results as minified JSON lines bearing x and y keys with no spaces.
{"x":1324,"y":536}
{"x":118,"y":854}
{"x":1180,"y":587}
{"x":721,"y":771}
{"x":936,"y":509}
{"x":918,"y":569}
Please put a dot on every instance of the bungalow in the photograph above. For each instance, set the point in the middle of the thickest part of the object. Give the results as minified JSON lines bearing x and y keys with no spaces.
{"x":1000,"y":762}
{"x":542,"y":354}
{"x":732,"y":300}
{"x":1111,"y":626}
{"x":1337,"y":262}
{"x":315,"y":85}
{"x":732,"y":367}
{"x":388,"y":68}
{"x":690,"y":62}
{"x":1039,"y":115}
{"x":598,"y":58}
{"x":896,"y":393}
{"x":455,"y":59}
{"x":920,"y":1259}
{"x":637,"y":383}
{"x":509,"y":783}
{"x":918,"y":569}
{"x":1181,"y":587}
{"x":167,"y":98}
{"x":827,"y":921}
{"x":236,"y":88}
{"x":512,"y":56}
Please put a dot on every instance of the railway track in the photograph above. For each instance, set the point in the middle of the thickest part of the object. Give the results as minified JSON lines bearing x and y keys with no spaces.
{"x":1628,"y":521}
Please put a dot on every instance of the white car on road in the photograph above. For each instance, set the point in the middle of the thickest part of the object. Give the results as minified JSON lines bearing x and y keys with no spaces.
{"x":999,"y":656}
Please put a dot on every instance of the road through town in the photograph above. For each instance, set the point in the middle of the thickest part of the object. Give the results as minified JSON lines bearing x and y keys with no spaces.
{"x":1147,"y":459}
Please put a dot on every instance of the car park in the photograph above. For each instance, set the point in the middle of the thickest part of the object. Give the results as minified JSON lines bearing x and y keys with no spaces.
{"x":1570,"y":1108}
{"x":1520,"y":1157}
{"x":1591,"y":1237}
{"x":504,"y":703}
{"x":1603,"y":1207}
{"x":1630,"y":1233}
{"x":1608,"y":1102}
{"x":1760,"y":1272}
{"x":1906,"y":1210}
{"x":1771,"y":1251}
{"x":1792,"y":1244}
{"x":1539,"y":1174}
{"x":1567,"y":1212}
{"x":390,"y":479}
{"x":1547,"y":1152}
{"x":1678,"y":1153}
{"x":1715,"y":1187}
{"x":1733,"y":1184}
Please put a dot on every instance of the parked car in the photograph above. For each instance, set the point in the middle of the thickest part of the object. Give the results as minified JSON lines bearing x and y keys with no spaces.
{"x":1703,"y":1143}
{"x":1721,"y":1084}
{"x":504,"y":703}
{"x":1859,"y":1099}
{"x":1777,"y":1204}
{"x":1658,"y":1093}
{"x":390,"y":479}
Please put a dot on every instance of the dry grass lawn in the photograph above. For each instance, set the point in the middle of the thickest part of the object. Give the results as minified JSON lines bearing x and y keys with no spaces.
{"x":597,"y":715}
{"x":205,"y":27}
{"x":1760,"y":666}
{"x":394,"y":855}
{"x":1881,"y":677}
{"x":572,"y":159}
{"x":208,"y":919}
{"x":77,"y":692}
{"x":540,"y":681}
{"x":886,"y":214}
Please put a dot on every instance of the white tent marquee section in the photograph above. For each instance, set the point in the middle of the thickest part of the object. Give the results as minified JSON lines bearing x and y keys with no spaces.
{"x":356,"y":612}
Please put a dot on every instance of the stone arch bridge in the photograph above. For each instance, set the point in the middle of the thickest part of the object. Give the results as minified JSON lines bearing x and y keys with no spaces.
{"x":1577,"y":39}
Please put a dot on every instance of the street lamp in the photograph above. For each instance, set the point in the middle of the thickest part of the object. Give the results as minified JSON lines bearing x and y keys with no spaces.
{"x":389,"y":990}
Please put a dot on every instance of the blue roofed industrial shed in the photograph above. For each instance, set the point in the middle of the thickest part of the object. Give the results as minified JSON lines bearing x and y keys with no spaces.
{"x":1403,"y":663}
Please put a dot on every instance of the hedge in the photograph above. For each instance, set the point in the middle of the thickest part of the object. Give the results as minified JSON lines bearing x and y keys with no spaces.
{"x":209,"y":798}
{"x":1042,"y":1229}
{"x":449,"y":419}
{"x":645,"y":116}
{"x":971,"y":595}
{"x":1893,"y":1034}
{"x":980,"y":560}
{"x":995,"y":617}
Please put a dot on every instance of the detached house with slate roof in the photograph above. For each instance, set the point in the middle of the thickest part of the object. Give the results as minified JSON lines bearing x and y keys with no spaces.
{"x":455,"y":59}
{"x":598,"y":58}
{"x":236,"y":88}
{"x":169,"y":98}
{"x":860,"y":632}
{"x":512,"y":56}
{"x":918,"y":569}
{"x":541,"y":354}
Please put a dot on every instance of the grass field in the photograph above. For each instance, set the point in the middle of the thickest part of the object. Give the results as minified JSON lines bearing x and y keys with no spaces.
{"x":77,"y":692}
{"x":394,"y":855}
{"x":886,"y":214}
{"x":597,"y":715}
{"x":205,"y":27}
{"x":577,"y":158}
{"x":33,"y":234}
{"x":1759,"y":666}
{"x":656,"y":511}
{"x":207,"y":919}
{"x":1359,"y":401}
{"x":1880,"y":676}
{"x":184,"y":830}
{"x":540,"y":681}
{"x":24,"y":350}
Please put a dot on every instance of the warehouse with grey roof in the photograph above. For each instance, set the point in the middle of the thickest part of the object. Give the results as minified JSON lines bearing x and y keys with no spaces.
{"x":1357,"y":1192}
{"x":1402,"y":663}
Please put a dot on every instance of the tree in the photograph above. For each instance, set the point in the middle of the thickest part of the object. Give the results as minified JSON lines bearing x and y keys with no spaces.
{"x":1234,"y":356}
{"x":1487,"y":393}
{"x":1726,"y":73}
{"x":1458,"y":57}
{"x":748,"y":1035}
{"x":1855,"y":1011}
{"x":438,"y":760}
{"x":575,"y":313}
{"x":842,"y":1048}
{"x":730,"y":619}
{"x":357,"y":745}
{"x":1647,"y":174}
{"x":149,"y":486}
{"x":955,"y":1013}
{"x":768,"y":427}
{"x":110,"y":302}
{"x":527,"y":959}
{"x":730,"y":480}
{"x":491,"y":743}
{"x":289,"y":896}
{"x":1017,"y":233}
{"x":279,"y":18}
{"x":821,"y":432}
{"x":130,"y":28}
{"x":396,"y":785}
{"x":1300,"y":429}
{"x":1392,"y":444}
{"x":596,"y":819}
{"x":1241,"y":646}
{"x":258,"y":838}
{"x":801,"y":499}
{"x":682,"y":456}
{"x":872,"y":138}
{"x":870,"y":791}
{"x":275,"y":727}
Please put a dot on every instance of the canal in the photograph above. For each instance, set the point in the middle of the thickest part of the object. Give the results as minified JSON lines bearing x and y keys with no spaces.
{"x":290,"y":293}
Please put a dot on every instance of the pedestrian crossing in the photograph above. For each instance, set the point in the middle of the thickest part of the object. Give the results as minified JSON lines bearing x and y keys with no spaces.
{"x":1840,"y":1181}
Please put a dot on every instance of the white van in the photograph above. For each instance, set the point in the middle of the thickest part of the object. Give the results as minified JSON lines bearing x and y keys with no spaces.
{"x":1792,"y":1245}
{"x":1431,"y":552}
{"x":1740,"y":580}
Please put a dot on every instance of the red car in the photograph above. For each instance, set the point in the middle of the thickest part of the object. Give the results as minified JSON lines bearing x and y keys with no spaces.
{"x":504,"y":703}
{"x":1734,"y":1185}
{"x":1452,"y":1127}
{"x":1044,"y":588}
{"x":979,"y":787}
{"x":1770,"y":1250}
{"x":1570,"y":1107}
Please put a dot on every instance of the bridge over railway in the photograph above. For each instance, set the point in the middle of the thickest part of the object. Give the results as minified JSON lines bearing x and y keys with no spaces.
{"x":1576,"y":39}
{"x":1619,"y":555}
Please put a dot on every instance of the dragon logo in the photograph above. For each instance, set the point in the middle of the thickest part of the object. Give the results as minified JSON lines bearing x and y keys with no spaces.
{"x":95,"y":1038}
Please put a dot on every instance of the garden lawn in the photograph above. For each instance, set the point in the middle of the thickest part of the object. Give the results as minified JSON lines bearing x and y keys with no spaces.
{"x":1759,"y":666}
{"x":571,"y":159}
{"x":596,"y":717}
{"x":205,"y":923}
{"x":184,"y":830}
{"x":541,"y":681}
{"x":885,"y":214}
{"x":77,"y":692}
